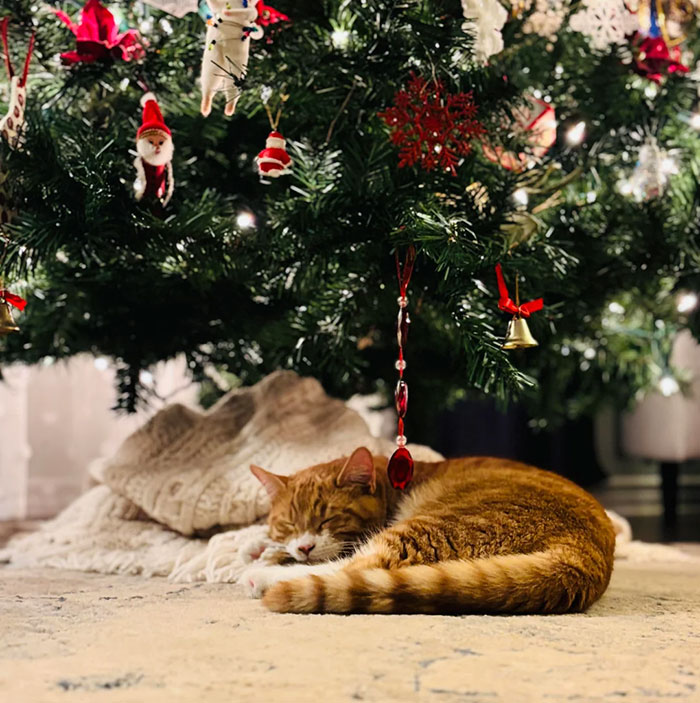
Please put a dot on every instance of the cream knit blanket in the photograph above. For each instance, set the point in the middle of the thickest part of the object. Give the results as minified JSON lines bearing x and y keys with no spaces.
{"x":186,"y":472}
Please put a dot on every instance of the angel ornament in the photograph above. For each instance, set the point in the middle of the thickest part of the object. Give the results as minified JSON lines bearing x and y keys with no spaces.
{"x":226,"y":50}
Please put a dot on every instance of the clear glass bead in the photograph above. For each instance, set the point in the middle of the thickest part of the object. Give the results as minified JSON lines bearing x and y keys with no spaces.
{"x":400,"y":365}
{"x":401,"y":440}
{"x":402,"y":300}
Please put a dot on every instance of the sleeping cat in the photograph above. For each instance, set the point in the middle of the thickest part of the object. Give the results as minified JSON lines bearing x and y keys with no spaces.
{"x":474,"y":535}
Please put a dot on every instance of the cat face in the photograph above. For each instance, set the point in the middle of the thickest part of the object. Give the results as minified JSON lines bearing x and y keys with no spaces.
{"x":322,"y":512}
{"x":155,"y":147}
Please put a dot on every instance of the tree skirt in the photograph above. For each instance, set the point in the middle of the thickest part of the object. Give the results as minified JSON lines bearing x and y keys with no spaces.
{"x":186,"y":473}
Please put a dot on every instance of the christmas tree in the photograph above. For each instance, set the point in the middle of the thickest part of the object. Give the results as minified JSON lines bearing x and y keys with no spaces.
{"x":556,"y":138}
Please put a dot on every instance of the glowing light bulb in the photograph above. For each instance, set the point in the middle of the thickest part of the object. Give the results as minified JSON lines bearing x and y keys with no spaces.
{"x":146,"y":377}
{"x":668,"y":385}
{"x":340,"y":38}
{"x":668,"y":165}
{"x":694,"y":120}
{"x":616,"y":308}
{"x":520,"y":197}
{"x":687,"y":302}
{"x":101,"y":364}
{"x":575,"y":134}
{"x":245,"y":219}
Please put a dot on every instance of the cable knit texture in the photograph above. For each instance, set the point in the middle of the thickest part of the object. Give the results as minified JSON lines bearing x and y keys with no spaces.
{"x":186,"y":472}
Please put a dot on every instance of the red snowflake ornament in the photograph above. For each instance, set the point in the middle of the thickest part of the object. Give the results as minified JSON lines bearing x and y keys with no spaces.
{"x":431,"y":126}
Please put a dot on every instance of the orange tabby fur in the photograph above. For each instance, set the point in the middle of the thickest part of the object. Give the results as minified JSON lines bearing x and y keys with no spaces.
{"x":473,"y":535}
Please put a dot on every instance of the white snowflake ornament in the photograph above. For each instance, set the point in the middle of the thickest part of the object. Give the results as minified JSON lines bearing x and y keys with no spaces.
{"x":486,"y":19}
{"x":546,"y":19}
{"x":604,"y":22}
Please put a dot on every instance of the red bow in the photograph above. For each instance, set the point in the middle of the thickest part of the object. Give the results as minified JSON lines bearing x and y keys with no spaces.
{"x":506,"y":304}
{"x":12,"y":299}
{"x":98,"y":36}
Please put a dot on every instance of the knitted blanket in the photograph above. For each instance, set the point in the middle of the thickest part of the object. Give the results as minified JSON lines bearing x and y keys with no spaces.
{"x":185,"y":474}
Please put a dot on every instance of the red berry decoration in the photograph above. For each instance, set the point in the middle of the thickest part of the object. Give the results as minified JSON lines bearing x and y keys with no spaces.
{"x":431,"y":126}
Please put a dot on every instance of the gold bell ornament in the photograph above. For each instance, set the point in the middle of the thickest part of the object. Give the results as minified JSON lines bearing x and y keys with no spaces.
{"x":518,"y":335}
{"x":7,"y":302}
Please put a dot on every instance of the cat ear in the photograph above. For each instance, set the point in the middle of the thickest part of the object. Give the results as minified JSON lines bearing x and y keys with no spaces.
{"x":359,"y":468}
{"x":273,"y":483}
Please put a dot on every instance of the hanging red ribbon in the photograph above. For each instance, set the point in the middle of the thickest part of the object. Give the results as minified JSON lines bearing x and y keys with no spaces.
{"x":506,"y":303}
{"x":12,"y":299}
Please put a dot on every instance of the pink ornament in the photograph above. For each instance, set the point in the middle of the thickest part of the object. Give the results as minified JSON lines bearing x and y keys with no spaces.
{"x":273,"y":160}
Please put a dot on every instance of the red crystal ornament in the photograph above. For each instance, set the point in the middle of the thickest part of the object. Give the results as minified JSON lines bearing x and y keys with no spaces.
{"x":402,"y":324}
{"x":431,"y":126}
{"x":401,"y":398}
{"x":400,"y":469}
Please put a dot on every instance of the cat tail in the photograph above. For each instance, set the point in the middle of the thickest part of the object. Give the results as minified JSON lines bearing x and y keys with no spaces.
{"x":553,"y":581}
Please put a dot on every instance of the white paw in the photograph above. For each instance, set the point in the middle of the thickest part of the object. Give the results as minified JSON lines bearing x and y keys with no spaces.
{"x":257,"y":579}
{"x":254,"y":548}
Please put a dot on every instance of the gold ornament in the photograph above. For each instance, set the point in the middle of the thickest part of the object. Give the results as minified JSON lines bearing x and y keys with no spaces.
{"x":7,"y":322}
{"x":518,"y":335}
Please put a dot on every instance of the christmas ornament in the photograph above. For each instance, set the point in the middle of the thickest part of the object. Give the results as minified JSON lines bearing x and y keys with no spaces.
{"x":651,"y":173}
{"x":546,"y":19}
{"x":485,"y":21}
{"x":154,"y":145}
{"x":653,"y":58}
{"x":672,"y":18}
{"x":518,"y":335}
{"x":226,"y":51}
{"x":7,"y":299}
{"x":12,"y":124}
{"x":400,"y":467}
{"x":535,"y":122}
{"x":430,"y":126}
{"x":273,"y":160}
{"x":604,"y":22}
{"x":98,"y":37}
{"x":268,"y":15}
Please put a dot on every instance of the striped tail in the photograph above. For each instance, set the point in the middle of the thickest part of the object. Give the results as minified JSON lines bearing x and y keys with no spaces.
{"x":541,"y":582}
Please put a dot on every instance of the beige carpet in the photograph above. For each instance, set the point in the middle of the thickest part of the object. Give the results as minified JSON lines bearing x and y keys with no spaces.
{"x":69,"y":636}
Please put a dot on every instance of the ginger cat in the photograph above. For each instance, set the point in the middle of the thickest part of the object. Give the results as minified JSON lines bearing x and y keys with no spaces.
{"x":474,"y":535}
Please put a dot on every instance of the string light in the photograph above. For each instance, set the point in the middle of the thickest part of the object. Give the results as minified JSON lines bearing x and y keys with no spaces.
{"x":668,"y":385}
{"x":245,"y":219}
{"x":576,"y":134}
{"x":694,"y":120}
{"x":520,"y":197}
{"x":687,"y":302}
{"x":101,"y":364}
{"x":340,"y":38}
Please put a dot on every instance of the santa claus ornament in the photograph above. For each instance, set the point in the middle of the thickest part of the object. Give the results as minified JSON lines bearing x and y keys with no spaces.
{"x":226,"y":49}
{"x":274,"y":161}
{"x":154,"y":145}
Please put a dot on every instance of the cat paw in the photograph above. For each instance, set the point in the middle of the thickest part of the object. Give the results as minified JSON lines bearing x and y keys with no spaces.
{"x":254,"y":548}
{"x":257,"y":580}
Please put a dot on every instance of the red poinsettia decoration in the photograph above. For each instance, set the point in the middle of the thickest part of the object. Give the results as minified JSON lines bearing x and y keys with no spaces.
{"x":654,"y":59}
{"x":431,"y":126}
{"x":98,"y":36}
